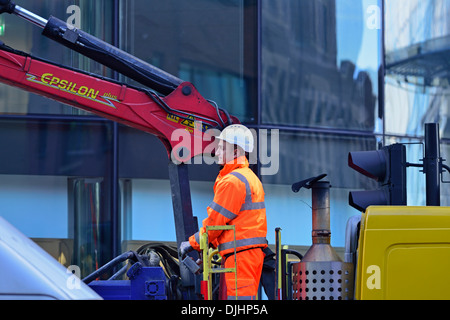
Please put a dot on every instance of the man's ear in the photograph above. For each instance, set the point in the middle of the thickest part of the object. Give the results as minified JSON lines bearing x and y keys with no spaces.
{"x":238,"y":151}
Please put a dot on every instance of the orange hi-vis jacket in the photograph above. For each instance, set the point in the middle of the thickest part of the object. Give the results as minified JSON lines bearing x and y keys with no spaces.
{"x":238,"y":200}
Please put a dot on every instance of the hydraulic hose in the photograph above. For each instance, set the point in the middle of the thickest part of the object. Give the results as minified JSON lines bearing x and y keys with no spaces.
{"x":111,"y":56}
{"x":98,"y":50}
{"x":111,"y":264}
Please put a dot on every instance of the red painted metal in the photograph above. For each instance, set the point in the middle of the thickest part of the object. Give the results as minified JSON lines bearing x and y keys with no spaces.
{"x":127,"y":105}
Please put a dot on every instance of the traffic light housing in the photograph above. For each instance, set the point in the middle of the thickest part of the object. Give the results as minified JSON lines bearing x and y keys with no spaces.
{"x":387,"y":166}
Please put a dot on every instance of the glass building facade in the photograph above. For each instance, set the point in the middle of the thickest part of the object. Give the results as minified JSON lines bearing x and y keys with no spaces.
{"x":320,"y":75}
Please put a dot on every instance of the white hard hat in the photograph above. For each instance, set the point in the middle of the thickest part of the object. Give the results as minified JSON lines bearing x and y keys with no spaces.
{"x":238,"y":134}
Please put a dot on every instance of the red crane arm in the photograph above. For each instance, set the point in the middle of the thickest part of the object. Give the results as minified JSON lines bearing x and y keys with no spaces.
{"x":184,"y":109}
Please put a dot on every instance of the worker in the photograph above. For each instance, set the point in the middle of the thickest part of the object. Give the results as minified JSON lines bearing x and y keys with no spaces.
{"x":239,"y":201}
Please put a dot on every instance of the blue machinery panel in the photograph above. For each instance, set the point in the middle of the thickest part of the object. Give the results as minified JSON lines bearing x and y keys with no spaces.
{"x":146,"y":283}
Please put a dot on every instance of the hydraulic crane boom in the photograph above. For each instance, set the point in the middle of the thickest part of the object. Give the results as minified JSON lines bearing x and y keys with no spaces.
{"x":171,"y":103}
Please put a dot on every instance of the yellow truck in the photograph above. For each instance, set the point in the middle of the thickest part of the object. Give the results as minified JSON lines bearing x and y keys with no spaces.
{"x":392,"y":251}
{"x":404,"y":253}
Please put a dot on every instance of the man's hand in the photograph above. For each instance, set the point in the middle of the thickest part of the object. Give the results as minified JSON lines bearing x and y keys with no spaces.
{"x":184,"y":249}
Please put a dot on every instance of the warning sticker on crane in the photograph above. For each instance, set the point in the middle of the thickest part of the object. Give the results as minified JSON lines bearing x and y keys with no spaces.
{"x":189,"y":123}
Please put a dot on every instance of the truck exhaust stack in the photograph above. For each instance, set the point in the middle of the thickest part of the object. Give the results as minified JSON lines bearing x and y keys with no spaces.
{"x":321,"y":274}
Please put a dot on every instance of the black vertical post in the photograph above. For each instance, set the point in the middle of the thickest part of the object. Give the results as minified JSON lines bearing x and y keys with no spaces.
{"x":431,"y":164}
{"x":114,"y":168}
{"x":278,"y":290}
{"x":114,"y":192}
{"x":185,"y":223}
{"x":382,"y":70}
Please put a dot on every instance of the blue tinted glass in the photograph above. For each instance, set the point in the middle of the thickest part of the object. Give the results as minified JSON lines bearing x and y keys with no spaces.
{"x":210,"y":43}
{"x":93,"y":17}
{"x":417,"y":41}
{"x":319,"y":63}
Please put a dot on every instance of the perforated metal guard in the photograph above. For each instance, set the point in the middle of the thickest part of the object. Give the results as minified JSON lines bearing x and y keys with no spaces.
{"x":322,"y":280}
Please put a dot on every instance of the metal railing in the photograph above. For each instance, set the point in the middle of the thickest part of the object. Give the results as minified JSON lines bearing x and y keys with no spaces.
{"x":208,"y":255}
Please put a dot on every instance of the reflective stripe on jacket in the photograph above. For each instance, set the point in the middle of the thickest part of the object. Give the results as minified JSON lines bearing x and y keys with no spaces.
{"x":239,"y":201}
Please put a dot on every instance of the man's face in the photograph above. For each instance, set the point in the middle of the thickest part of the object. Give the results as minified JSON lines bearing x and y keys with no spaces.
{"x":225,"y":152}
